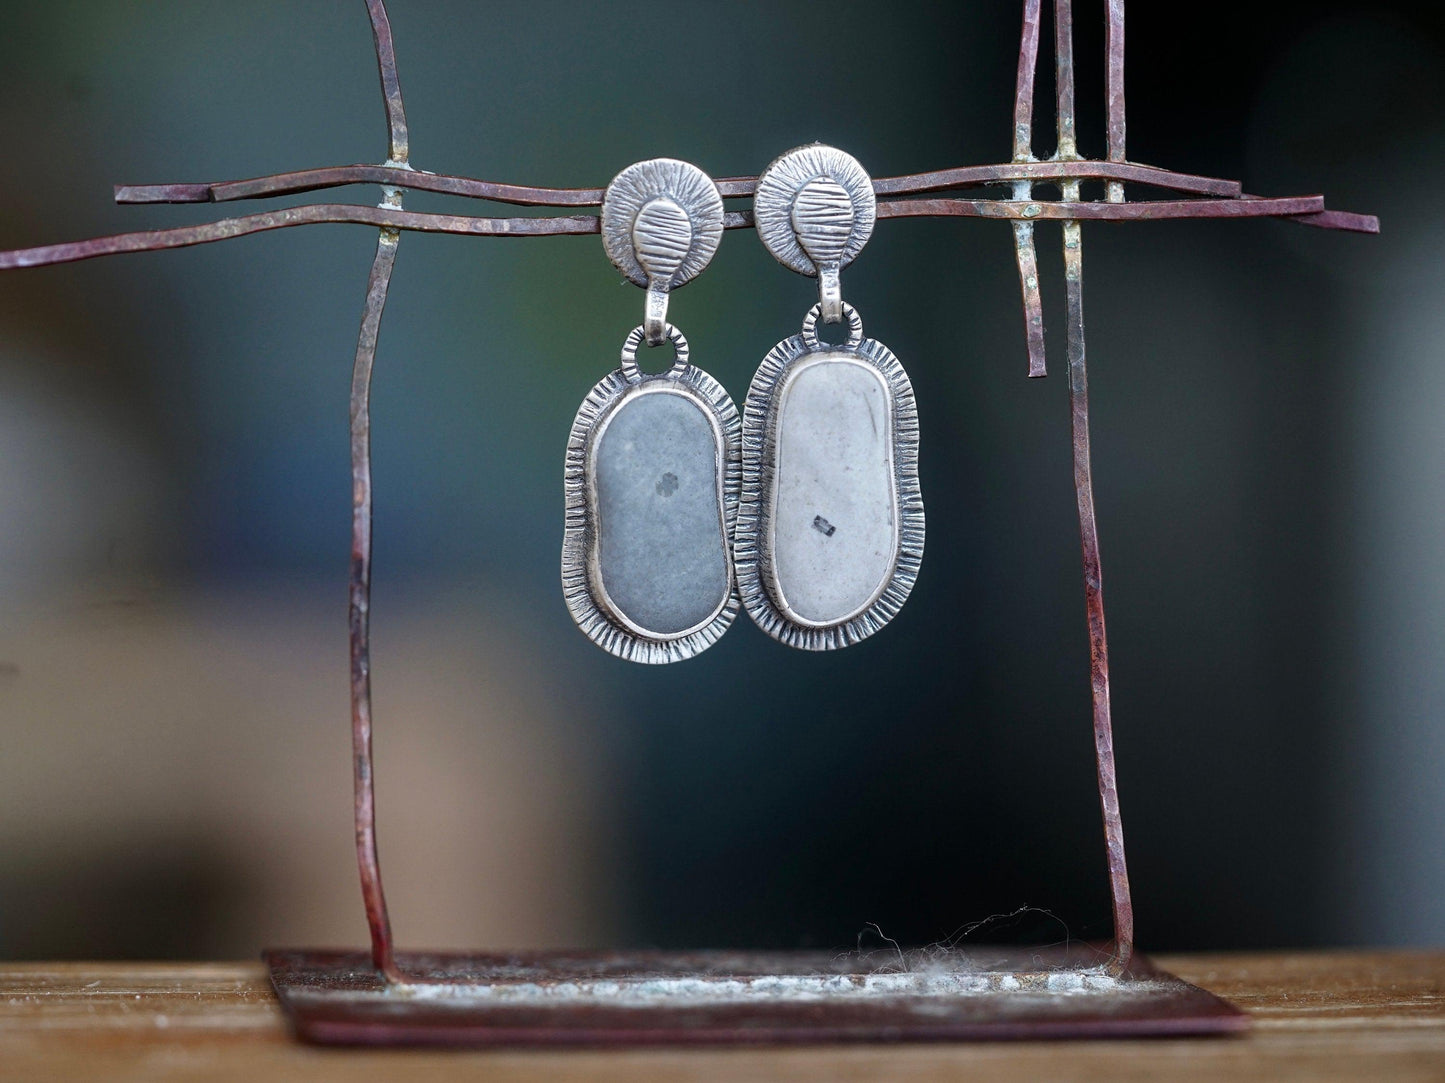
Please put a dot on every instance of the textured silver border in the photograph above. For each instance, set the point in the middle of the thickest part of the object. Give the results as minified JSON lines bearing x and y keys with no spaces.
{"x":778,"y":187}
{"x":759,"y":456}
{"x":683,"y":183}
{"x":588,"y":602}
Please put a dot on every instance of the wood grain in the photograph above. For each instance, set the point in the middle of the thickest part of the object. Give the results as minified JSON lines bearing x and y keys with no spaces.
{"x":1318,"y":1016}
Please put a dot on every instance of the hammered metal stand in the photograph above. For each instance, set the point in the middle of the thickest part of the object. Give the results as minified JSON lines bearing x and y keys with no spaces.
{"x":384,"y":998}
{"x":736,"y":998}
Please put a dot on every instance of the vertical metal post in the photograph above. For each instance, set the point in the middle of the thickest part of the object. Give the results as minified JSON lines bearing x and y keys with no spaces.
{"x":1123,"y":907}
{"x":368,"y":863}
{"x":1114,"y":89}
{"x":1023,"y":190}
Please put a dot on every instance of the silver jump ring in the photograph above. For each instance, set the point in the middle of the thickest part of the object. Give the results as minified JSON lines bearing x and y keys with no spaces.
{"x":634,"y":340}
{"x":810,"y":328}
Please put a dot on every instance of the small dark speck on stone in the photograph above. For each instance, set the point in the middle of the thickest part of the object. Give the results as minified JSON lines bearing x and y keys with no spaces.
{"x":667,"y":484}
{"x":822,"y":526}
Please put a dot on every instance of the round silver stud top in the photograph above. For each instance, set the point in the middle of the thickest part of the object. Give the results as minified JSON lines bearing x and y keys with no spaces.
{"x":815,"y":209}
{"x":662,"y":220}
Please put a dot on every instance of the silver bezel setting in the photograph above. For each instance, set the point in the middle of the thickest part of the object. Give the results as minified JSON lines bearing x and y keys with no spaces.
{"x":756,"y":581}
{"x":582,"y":584}
{"x":785,"y":177}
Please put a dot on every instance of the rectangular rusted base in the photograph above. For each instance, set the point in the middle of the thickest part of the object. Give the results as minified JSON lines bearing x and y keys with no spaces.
{"x":727,"y":998}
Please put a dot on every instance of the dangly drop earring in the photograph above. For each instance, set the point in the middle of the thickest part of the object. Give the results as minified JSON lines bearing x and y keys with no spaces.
{"x":830,"y":527}
{"x":652,"y":470}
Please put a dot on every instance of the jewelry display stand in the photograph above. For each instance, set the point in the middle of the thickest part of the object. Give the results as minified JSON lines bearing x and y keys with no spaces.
{"x":386,"y":997}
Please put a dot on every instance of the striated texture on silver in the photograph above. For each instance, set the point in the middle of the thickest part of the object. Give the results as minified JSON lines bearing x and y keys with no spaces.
{"x":652,"y":483}
{"x":815,"y":209}
{"x":661,"y":238}
{"x":823,"y":219}
{"x":641,"y":221}
{"x":662,"y":221}
{"x":830,"y":526}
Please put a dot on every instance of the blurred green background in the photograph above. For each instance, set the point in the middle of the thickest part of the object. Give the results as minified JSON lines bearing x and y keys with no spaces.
{"x":174,"y":495}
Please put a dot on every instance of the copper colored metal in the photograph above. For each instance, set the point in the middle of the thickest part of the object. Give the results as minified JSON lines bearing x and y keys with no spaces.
{"x":939,"y":180}
{"x":1342,"y":220}
{"x":311,"y":180}
{"x":1028,"y":263}
{"x":368,"y":863}
{"x":553,"y":998}
{"x":390,"y":82}
{"x":374,"y":897}
{"x":350,"y":998}
{"x":1114,"y":91}
{"x":1028,"y":169}
{"x":1119,"y":892}
{"x":310,"y":214}
{"x":1071,"y":209}
{"x":1064,"y":80}
{"x":1024,"y":252}
{"x":1024,"y":87}
{"x":1306,"y":209}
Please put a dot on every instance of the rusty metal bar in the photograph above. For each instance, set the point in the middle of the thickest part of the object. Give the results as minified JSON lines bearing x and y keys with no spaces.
{"x":1024,"y":253}
{"x":311,"y":180}
{"x":1114,"y":91}
{"x":1119,"y":894}
{"x":378,"y":918}
{"x":390,"y":82}
{"x":1024,"y":85}
{"x":973,"y":175}
{"x":1308,"y":210}
{"x":1343,"y":220}
{"x":1028,"y":264}
{"x":1068,"y":209}
{"x":385,"y":217}
{"x":1068,"y":150}
{"x":1123,"y":906}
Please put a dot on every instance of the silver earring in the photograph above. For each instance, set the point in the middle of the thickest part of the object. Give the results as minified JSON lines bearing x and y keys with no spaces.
{"x":653,"y":470}
{"x":830,"y":527}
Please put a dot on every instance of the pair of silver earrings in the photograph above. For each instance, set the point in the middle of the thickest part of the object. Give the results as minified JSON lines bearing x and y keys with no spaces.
{"x":807,"y":509}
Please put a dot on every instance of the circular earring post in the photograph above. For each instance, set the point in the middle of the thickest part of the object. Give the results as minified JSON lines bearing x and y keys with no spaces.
{"x":815,"y":210}
{"x":662,"y":220}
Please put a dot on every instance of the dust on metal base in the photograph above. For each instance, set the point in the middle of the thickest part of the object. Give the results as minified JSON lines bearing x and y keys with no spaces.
{"x":736,"y":998}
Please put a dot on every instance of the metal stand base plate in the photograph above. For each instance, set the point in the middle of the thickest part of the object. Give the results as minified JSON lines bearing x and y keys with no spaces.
{"x":726,"y":998}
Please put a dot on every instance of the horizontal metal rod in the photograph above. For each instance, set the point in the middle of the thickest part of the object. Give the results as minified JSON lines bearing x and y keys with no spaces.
{"x":312,"y":214}
{"x":1308,"y":209}
{"x":310,"y":180}
{"x":1345,"y":220}
{"x":1312,"y":207}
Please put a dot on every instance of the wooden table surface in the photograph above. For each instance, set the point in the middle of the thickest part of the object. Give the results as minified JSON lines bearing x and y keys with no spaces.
{"x":1317,"y":1016}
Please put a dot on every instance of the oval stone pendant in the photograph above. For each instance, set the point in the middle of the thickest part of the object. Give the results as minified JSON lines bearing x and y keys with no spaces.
{"x":652,"y":476}
{"x":830,"y":527}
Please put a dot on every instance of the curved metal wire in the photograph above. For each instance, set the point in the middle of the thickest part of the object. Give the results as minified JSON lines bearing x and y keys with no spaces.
{"x":378,"y":917}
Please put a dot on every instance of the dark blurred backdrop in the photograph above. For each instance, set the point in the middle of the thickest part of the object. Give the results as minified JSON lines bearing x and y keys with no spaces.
{"x":1267,"y":400}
